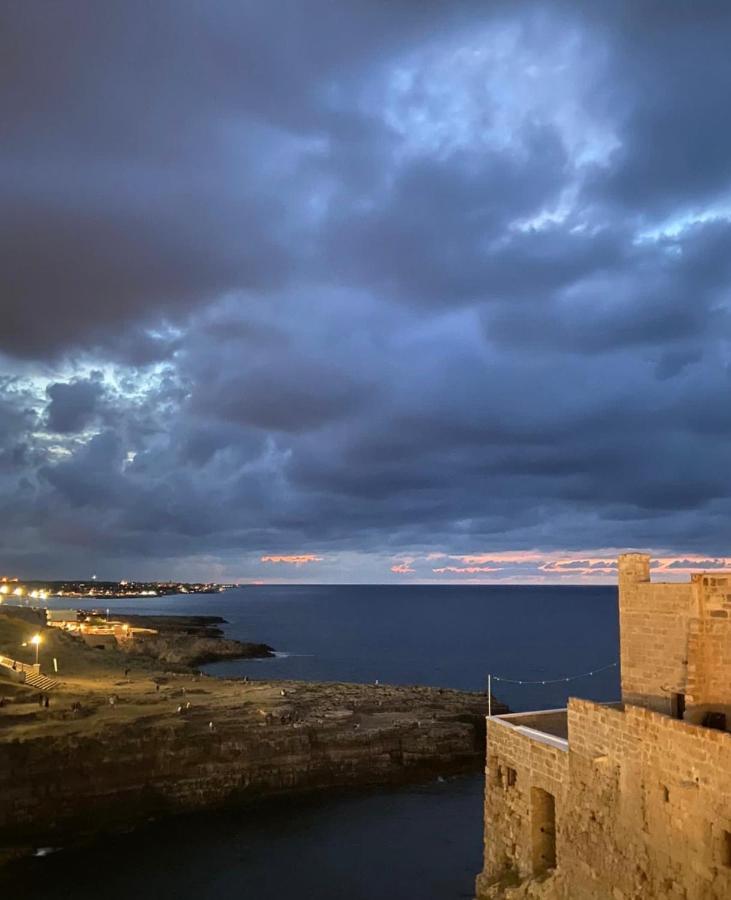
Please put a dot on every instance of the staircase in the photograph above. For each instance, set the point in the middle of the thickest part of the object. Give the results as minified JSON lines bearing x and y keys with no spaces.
{"x":41,"y":682}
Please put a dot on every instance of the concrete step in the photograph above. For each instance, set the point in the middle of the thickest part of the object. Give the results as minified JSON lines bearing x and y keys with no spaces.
{"x":42,"y":682}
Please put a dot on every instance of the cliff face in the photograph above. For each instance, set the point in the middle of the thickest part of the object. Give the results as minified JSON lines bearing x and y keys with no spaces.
{"x":84,"y":779}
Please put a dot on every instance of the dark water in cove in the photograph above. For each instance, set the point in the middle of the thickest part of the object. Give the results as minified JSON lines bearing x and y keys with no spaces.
{"x":424,"y":842}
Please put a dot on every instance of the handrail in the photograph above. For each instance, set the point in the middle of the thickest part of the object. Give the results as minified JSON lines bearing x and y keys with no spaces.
{"x":16,"y":664}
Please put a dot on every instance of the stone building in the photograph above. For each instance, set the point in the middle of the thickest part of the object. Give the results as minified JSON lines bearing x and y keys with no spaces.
{"x":628,"y":800}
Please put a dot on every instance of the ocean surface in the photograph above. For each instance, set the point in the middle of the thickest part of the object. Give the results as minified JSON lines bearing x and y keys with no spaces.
{"x":385,"y":845}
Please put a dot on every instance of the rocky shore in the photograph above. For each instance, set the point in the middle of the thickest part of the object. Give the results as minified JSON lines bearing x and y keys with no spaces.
{"x":124,"y":740}
{"x":190,"y":641}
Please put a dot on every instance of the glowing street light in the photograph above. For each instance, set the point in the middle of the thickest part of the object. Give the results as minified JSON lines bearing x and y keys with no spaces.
{"x":36,"y":639}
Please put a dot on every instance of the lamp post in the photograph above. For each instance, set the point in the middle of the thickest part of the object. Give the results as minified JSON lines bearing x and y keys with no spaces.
{"x":36,"y":639}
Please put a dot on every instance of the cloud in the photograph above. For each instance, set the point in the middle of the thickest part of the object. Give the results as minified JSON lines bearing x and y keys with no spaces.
{"x":301,"y":559}
{"x":72,"y":405}
{"x":404,"y":567}
{"x":426,"y":292}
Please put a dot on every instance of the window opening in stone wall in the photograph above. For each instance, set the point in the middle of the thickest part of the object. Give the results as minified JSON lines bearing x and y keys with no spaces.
{"x":512,"y":777}
{"x":678,"y":706}
{"x":543,"y":830}
{"x":666,"y":795}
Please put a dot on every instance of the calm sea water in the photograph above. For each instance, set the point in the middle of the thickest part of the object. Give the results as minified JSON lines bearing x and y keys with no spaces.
{"x":391,"y":844}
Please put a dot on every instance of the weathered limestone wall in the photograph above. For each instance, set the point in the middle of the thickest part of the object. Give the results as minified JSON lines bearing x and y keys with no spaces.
{"x":509,"y":821}
{"x":643,"y":801}
{"x":649,"y":807}
{"x":643,"y":809}
{"x":654,"y":621}
{"x":709,"y":669}
{"x":675,"y":639}
{"x":709,"y":649}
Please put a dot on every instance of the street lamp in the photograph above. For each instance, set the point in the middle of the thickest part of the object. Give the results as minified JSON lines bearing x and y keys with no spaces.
{"x":36,"y":639}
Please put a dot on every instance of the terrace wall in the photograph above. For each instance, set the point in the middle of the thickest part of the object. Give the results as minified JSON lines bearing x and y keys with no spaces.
{"x":643,"y":809}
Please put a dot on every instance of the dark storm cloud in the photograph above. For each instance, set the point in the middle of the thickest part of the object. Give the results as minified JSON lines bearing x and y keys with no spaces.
{"x":669,"y":92}
{"x":429,"y":240}
{"x":72,"y":406}
{"x":147,"y":152}
{"x":372,"y":283}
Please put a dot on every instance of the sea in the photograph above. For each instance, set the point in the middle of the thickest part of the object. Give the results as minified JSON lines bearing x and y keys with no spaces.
{"x":423,"y":841}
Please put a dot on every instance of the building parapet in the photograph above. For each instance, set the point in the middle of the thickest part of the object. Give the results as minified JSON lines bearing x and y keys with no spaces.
{"x":545,"y":726}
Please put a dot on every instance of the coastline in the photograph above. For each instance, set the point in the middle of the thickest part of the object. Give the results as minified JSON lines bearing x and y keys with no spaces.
{"x":190,"y":640}
{"x":115,"y":749}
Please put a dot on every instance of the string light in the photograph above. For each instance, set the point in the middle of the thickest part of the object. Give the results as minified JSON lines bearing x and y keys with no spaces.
{"x":563,"y":679}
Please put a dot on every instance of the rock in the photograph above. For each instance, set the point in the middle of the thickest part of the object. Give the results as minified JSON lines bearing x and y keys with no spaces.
{"x":189,"y":641}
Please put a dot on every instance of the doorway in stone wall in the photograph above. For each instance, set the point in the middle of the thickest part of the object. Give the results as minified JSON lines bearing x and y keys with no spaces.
{"x":543,"y":829}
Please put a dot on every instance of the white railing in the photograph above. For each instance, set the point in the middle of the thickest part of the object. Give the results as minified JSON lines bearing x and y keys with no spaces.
{"x":18,"y":666}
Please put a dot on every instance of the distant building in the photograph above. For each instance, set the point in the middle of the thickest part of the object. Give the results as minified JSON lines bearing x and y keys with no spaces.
{"x":630,"y":800}
{"x":54,"y":616}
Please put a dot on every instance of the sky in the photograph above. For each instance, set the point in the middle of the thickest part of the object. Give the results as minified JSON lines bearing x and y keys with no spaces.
{"x":364,"y":291}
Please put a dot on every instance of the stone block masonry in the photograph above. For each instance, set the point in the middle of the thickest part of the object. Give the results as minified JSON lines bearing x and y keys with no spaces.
{"x":637,"y":802}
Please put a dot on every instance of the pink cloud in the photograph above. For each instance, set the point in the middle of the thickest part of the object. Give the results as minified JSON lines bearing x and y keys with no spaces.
{"x":300,"y":559}
{"x":404,"y":566}
{"x":549,"y":567}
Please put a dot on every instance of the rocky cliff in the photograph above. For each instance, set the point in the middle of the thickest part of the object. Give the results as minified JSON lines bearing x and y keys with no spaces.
{"x":200,"y":743}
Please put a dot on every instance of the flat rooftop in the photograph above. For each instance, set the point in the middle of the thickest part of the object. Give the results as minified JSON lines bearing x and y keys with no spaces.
{"x":548,"y":726}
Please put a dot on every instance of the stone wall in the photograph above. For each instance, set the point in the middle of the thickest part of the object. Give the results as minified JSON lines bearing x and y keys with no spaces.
{"x":649,"y":811}
{"x":675,"y":640}
{"x":654,"y":622}
{"x":643,"y":809}
{"x":516,"y":766}
{"x":642,"y":797}
{"x":709,"y":648}
{"x":709,"y":669}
